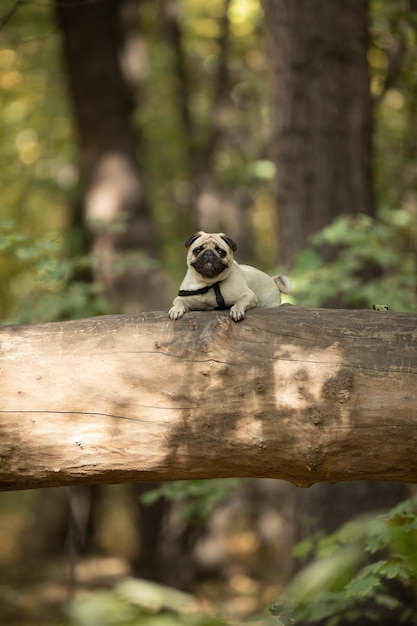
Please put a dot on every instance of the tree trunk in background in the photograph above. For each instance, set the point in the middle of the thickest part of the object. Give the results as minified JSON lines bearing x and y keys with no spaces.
{"x":321,"y":115}
{"x":104,"y":58}
{"x":322,"y":129}
{"x":103,"y":55}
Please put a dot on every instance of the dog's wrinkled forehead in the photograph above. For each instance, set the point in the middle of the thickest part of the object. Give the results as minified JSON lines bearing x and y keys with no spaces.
{"x":210,"y":239}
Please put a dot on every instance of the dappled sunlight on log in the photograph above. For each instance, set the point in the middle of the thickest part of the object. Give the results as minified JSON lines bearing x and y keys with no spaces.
{"x":306,"y":395}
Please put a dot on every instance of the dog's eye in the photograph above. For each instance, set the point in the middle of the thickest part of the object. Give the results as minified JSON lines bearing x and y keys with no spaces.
{"x":220,"y":252}
{"x":197,"y":250}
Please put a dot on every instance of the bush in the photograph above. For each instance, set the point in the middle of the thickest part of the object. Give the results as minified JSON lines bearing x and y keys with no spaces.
{"x":359,"y":260}
{"x":357,"y":572}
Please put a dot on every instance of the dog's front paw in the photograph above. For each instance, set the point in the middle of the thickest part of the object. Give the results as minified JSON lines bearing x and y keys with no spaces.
{"x":176,"y":311}
{"x":237,"y":312}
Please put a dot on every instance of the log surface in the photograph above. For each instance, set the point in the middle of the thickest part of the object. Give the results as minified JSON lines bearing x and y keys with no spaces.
{"x":304,"y":395}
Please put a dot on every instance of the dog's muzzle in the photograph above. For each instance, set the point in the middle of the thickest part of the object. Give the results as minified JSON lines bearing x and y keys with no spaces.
{"x":209,"y":264}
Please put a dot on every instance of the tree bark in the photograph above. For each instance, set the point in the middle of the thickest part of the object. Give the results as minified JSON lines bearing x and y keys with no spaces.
{"x":321,"y":115}
{"x":305,"y":395}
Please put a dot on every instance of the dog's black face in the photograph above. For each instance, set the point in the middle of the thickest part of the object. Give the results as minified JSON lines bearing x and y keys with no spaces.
{"x":210,"y":255}
{"x":209,"y":262}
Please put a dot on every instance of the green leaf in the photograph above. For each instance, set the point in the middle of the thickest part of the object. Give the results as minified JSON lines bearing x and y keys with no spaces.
{"x":306,"y":546}
{"x":286,"y":616}
{"x":386,"y":601}
{"x":364,"y":585}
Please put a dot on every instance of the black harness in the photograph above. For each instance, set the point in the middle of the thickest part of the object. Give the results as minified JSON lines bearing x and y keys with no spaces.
{"x":221,"y":304}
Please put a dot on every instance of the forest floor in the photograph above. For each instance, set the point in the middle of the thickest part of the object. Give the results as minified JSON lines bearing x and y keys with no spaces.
{"x":250,"y":543}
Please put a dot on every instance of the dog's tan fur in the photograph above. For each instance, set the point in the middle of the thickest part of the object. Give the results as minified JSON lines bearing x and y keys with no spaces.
{"x":243,"y":287}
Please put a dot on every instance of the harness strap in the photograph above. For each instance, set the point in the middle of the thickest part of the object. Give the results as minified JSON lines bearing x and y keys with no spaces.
{"x":196,"y":292}
{"x":221,"y":304}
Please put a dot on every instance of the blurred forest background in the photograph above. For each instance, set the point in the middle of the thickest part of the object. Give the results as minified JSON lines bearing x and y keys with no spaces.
{"x":125,"y":126}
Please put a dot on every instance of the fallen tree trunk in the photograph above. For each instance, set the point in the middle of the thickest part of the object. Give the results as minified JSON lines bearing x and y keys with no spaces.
{"x":305,"y":395}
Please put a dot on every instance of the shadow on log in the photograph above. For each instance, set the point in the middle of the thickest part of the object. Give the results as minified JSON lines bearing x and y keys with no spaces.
{"x":304,"y":395}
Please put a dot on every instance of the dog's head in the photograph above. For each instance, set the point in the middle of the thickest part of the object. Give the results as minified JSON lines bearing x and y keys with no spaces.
{"x":210,"y":254}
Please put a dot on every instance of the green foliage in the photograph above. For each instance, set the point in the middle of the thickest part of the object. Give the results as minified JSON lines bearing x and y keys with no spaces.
{"x":392,"y":63}
{"x":198,"y":497}
{"x":353,"y":570}
{"x":371,"y":259}
{"x":39,"y":283}
{"x":40,"y":179}
{"x":134,"y":602}
{"x":38,"y":154}
{"x":38,"y":169}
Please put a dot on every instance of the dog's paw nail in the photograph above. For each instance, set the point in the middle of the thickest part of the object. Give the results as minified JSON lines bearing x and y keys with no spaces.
{"x":237,"y":316}
{"x":174,"y":314}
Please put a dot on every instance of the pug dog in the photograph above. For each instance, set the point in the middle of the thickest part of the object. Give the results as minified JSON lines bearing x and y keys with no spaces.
{"x":214,"y":280}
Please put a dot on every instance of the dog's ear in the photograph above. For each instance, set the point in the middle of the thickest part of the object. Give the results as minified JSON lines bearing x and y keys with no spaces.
{"x":230,"y":243}
{"x":191,"y":239}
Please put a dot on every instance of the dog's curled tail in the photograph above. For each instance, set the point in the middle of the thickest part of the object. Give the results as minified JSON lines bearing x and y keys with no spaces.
{"x":283,"y":283}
